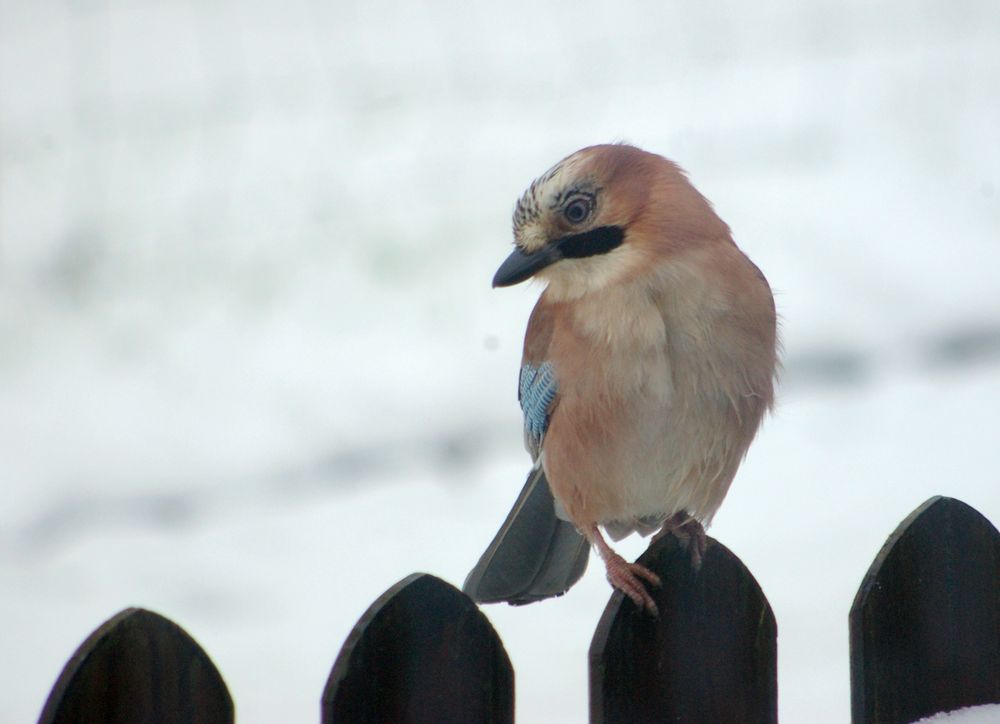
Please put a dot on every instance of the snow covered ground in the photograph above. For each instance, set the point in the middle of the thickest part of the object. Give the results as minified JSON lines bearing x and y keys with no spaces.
{"x":987,"y":713}
{"x":252,"y":372}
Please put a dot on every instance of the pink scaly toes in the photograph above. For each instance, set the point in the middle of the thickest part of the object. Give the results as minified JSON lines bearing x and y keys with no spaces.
{"x":626,"y":577}
{"x":689,"y":533}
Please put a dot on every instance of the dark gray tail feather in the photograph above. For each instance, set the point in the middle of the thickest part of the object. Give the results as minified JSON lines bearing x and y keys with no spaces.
{"x":534,"y":555}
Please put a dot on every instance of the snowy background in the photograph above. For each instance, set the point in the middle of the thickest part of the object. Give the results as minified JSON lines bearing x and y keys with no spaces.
{"x":252,"y":372}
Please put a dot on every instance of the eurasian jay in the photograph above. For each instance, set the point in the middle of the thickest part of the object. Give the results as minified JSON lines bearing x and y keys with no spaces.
{"x":649,"y":362}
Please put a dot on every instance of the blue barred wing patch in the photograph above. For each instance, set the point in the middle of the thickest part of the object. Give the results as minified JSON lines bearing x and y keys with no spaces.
{"x":537,"y":389}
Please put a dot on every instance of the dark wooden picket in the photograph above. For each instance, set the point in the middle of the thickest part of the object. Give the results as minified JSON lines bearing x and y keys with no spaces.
{"x":925,"y":624}
{"x":139,"y":668}
{"x":710,"y":656}
{"x":423,"y":652}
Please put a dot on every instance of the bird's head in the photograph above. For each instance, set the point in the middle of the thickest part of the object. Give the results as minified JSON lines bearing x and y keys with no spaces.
{"x":602,"y":215}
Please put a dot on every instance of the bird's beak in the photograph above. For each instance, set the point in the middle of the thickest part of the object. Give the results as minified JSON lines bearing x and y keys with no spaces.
{"x":520,"y":266}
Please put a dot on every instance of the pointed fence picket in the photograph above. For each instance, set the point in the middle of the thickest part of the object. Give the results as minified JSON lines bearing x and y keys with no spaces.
{"x":423,"y":652}
{"x":925,"y":624}
{"x":711,"y":656}
{"x":139,"y":668}
{"x":924,"y":632}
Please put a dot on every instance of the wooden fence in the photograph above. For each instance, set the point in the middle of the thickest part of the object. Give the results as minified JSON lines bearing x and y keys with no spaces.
{"x":924,"y":633}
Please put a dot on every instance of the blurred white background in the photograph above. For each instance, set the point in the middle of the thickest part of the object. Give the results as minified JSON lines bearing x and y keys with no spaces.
{"x":252,"y":371}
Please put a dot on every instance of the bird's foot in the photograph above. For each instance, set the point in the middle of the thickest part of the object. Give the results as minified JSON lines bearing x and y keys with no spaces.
{"x":689,"y":533}
{"x":628,"y":578}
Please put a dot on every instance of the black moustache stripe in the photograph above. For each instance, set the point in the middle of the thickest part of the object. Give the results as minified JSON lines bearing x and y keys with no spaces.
{"x":590,"y":243}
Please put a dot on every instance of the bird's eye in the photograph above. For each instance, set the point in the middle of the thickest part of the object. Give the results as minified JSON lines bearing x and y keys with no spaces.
{"x":577,"y":210}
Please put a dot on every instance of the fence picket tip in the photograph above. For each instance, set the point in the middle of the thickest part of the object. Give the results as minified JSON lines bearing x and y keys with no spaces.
{"x":711,"y":655}
{"x":925,"y":621}
{"x":423,"y":651}
{"x":139,"y":666}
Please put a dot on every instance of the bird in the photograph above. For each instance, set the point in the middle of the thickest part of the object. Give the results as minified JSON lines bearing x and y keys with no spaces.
{"x":649,"y":363}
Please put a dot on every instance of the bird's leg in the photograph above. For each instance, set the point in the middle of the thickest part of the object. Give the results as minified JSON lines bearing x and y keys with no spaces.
{"x":626,"y":577}
{"x":688,"y":532}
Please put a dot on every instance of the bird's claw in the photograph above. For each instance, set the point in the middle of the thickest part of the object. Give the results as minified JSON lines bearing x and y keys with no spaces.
{"x":689,"y":533}
{"x":628,"y":578}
